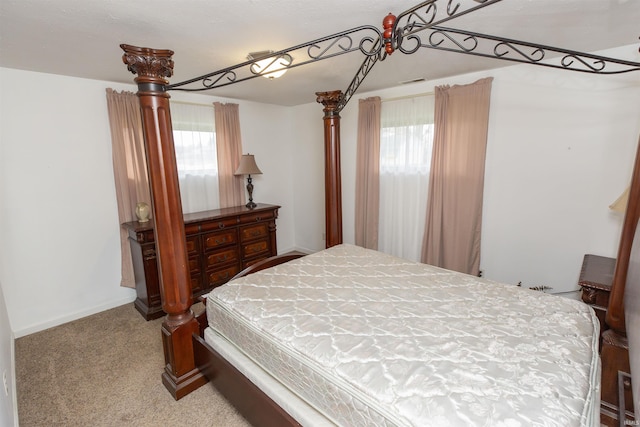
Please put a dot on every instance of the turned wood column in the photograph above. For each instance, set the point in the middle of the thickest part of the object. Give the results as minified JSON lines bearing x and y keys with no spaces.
{"x":332,"y":176}
{"x":615,"y":345}
{"x":153,"y":67}
{"x":615,"y":311}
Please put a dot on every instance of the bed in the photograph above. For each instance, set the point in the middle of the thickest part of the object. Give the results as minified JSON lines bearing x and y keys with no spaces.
{"x":192,"y":361}
{"x":365,"y":338}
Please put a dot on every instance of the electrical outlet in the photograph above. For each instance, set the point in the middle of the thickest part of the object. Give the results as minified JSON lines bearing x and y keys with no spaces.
{"x":324,"y":236}
{"x":6,"y":384}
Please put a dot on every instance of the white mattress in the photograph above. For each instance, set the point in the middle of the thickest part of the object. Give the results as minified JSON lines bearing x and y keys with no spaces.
{"x":370,"y":339}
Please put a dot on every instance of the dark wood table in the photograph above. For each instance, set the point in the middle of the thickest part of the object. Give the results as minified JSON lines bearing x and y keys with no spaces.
{"x":595,"y":281}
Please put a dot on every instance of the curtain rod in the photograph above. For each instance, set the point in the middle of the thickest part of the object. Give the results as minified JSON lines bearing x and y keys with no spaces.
{"x":417,"y":95}
{"x":191,"y":103}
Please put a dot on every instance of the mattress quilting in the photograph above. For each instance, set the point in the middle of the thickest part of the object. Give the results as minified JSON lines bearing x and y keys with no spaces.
{"x":371,"y":339}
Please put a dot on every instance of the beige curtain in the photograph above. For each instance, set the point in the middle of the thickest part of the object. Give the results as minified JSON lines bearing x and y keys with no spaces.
{"x":229,"y":148}
{"x":129,"y":167}
{"x":368,"y":173}
{"x":454,"y":209}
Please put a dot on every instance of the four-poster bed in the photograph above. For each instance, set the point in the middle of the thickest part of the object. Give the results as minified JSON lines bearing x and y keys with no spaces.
{"x":190,"y":361}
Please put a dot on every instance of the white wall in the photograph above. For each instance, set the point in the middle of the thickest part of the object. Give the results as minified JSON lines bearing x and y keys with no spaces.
{"x":308,"y":177}
{"x":266,"y":134}
{"x":58,"y":217}
{"x":560,"y":150}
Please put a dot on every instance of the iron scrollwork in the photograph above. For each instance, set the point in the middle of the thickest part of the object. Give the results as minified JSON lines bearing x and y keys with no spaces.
{"x":415,"y":28}
{"x":361,"y":74}
{"x":418,"y":18}
{"x":488,"y":46}
{"x":271,"y":64}
{"x":362,"y":39}
{"x":427,"y":15}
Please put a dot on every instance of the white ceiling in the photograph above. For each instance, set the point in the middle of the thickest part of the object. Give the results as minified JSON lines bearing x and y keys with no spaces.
{"x":81,"y":38}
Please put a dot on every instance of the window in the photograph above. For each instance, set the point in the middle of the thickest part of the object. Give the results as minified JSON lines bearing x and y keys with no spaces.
{"x":406,"y":141}
{"x":196,"y":156}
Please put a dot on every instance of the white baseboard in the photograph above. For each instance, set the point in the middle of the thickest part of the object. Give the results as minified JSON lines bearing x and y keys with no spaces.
{"x":74,"y":316}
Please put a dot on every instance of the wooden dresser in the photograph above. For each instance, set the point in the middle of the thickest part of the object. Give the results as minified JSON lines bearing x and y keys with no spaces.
{"x":220,"y":243}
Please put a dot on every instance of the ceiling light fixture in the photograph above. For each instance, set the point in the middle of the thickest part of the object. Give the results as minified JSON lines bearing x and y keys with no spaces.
{"x":268,"y":65}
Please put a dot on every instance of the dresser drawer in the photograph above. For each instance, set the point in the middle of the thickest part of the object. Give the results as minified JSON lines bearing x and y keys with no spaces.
{"x":219,"y":239}
{"x":191,"y":229}
{"x":194,"y":265}
{"x":220,"y":277}
{"x":254,"y":249}
{"x":252,"y":232}
{"x":258,"y":216}
{"x":217,"y":258}
{"x":219,"y":224}
{"x":196,"y":283}
{"x":193,"y":245}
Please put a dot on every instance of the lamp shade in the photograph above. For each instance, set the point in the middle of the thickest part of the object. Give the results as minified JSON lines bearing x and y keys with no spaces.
{"x":248,"y":166}
{"x":620,"y":205}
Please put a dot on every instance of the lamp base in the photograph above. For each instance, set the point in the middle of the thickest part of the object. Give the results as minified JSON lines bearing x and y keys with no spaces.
{"x":250,"y":205}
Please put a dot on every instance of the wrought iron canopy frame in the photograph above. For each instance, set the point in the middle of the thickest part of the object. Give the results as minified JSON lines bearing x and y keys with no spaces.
{"x":416,"y":28}
{"x":153,"y":67}
{"x":302,"y":54}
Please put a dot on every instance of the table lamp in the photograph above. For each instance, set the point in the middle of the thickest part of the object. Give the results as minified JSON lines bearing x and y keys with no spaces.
{"x":248,"y":167}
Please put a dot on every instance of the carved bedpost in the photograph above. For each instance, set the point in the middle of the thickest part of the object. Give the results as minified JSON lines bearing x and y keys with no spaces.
{"x":332,"y":176}
{"x":615,"y":311}
{"x":153,"y":67}
{"x":615,"y":345}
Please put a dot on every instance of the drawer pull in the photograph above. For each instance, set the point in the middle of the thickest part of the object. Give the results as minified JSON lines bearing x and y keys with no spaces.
{"x":255,"y":233}
{"x":219,"y":241}
{"x":222,"y":258}
{"x":221,"y":225}
{"x":225,"y":275}
{"x":589,"y":296}
{"x":258,"y":218}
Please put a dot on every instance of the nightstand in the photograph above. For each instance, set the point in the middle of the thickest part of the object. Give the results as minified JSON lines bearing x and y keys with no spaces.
{"x":595,"y":281}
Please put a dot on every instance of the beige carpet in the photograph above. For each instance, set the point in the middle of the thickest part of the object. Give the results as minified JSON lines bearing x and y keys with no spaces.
{"x":104,"y":370}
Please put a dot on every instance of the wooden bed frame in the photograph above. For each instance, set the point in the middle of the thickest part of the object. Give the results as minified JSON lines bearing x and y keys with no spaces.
{"x":190,"y":362}
{"x":615,"y":353}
